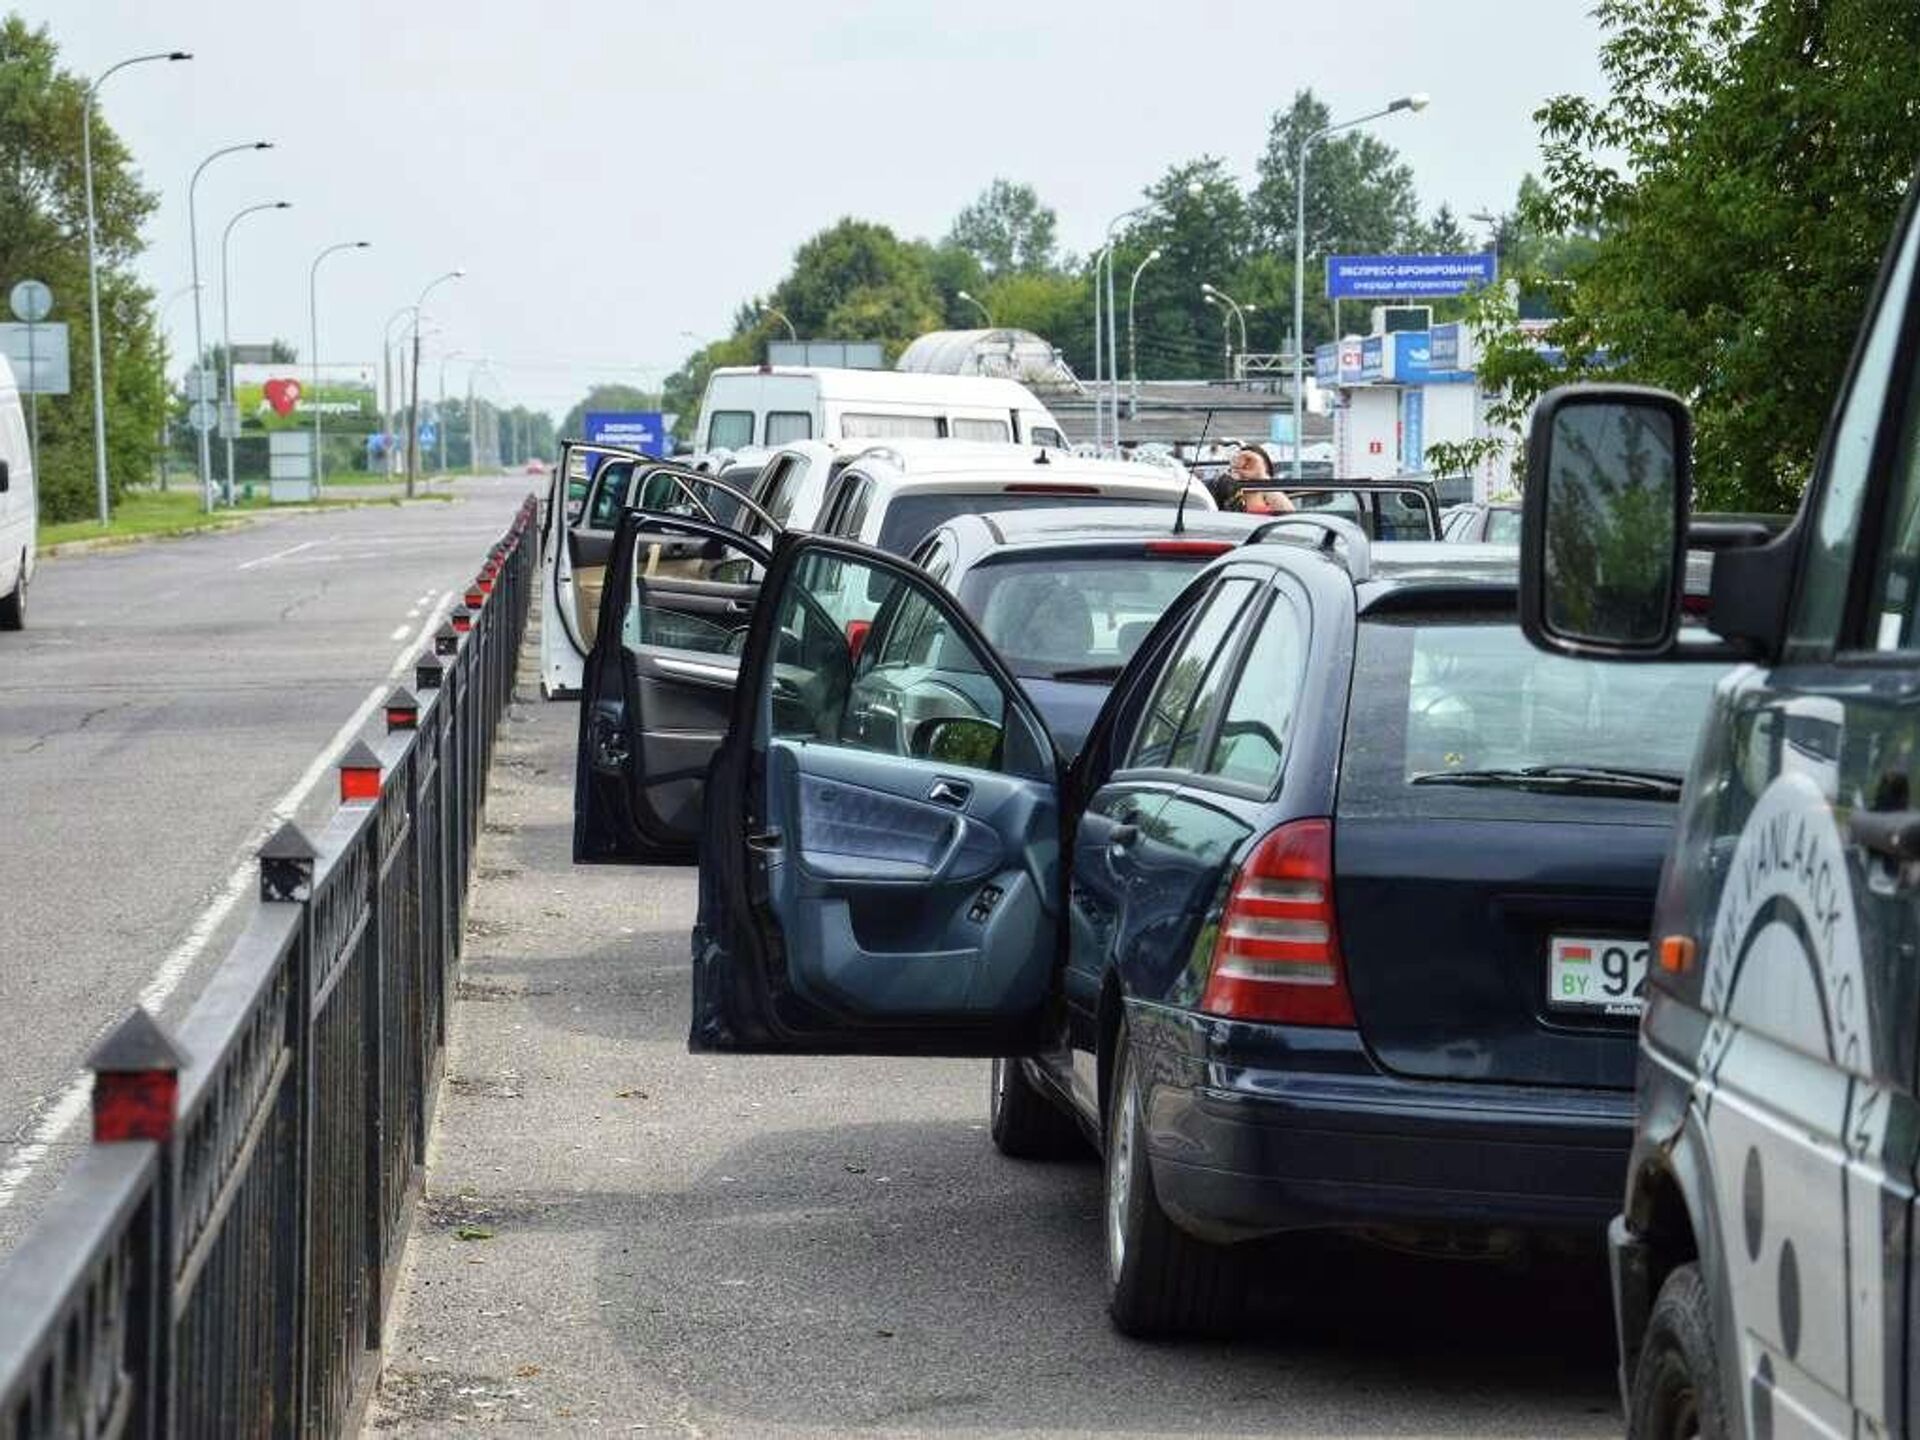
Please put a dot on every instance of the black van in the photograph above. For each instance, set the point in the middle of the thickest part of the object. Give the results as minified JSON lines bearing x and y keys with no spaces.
{"x":1763,"y":1271}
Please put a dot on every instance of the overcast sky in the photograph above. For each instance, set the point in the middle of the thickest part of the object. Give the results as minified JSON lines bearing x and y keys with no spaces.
{"x":612,"y":174}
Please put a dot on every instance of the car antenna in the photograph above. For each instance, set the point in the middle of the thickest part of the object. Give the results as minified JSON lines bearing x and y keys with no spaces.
{"x":1180,"y":511}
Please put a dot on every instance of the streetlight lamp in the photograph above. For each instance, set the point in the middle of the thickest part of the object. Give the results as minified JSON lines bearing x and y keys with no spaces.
{"x":226,"y":332}
{"x":313,"y":360}
{"x":985,"y":314}
{"x":1099,"y":412}
{"x":1239,"y":315}
{"x":413,"y":406}
{"x":1415,"y":102}
{"x":792,"y":334}
{"x":93,"y":269}
{"x":199,"y":337}
{"x":1194,"y":191}
{"x":166,"y":415}
{"x":1133,"y":355}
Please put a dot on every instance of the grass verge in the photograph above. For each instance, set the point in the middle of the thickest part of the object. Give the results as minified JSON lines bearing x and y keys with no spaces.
{"x":145,"y":513}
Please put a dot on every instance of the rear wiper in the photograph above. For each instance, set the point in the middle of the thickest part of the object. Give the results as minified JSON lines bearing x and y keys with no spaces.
{"x":1568,"y":779}
{"x":1089,"y":672}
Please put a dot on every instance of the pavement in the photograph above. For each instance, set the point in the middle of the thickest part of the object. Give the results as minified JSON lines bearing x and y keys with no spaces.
{"x":163,"y":702}
{"x":618,"y":1237}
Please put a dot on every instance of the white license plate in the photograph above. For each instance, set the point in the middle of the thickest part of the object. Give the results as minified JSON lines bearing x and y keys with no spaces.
{"x":1596,"y":974}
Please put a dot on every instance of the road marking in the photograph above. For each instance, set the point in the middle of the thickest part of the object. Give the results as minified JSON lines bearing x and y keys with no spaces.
{"x":279,"y":554}
{"x":72,"y":1102}
{"x":400,"y":632}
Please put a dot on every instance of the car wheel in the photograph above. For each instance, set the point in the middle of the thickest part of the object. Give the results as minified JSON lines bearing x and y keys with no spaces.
{"x":13,"y":608}
{"x":1025,"y":1123}
{"x":1160,"y":1280}
{"x":1676,"y":1385}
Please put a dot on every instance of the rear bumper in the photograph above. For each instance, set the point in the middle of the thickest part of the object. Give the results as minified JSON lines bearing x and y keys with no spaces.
{"x":1329,"y":1140}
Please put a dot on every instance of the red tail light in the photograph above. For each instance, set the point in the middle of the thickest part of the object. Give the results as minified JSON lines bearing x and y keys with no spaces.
{"x":857,"y":632}
{"x":1189,"y":547}
{"x":1278,"y":955}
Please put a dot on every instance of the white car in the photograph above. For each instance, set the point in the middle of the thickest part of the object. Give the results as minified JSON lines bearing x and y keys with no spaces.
{"x":776,"y":405}
{"x":17,"y":515}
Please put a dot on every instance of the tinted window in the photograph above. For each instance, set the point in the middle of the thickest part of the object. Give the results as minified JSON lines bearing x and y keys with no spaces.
{"x":786,"y":426}
{"x":730,"y":429}
{"x":1190,"y":685}
{"x":892,"y":427}
{"x":964,"y":429}
{"x":610,"y":486}
{"x":910,"y":517}
{"x":1044,"y":614}
{"x":1251,"y":746}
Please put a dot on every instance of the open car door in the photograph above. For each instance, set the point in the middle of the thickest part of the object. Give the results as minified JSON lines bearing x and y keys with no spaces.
{"x":657,"y":689}
{"x":880,"y":871}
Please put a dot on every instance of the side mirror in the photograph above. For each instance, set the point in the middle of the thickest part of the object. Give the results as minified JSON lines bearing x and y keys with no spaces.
{"x":961,"y":740}
{"x":6,"y":480}
{"x":1603,"y":539}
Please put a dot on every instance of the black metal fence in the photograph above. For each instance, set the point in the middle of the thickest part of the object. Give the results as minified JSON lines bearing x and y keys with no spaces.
{"x":219,"y":1260}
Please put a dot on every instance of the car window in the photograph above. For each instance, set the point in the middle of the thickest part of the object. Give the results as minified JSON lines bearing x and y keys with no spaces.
{"x":1895,"y":600}
{"x":854,"y":517}
{"x":1048,"y":436}
{"x":1829,"y":550}
{"x":730,"y":430}
{"x":1191,"y":684}
{"x":911,"y":517}
{"x":892,"y":427}
{"x":963,"y":428}
{"x":779,"y":486}
{"x":609,"y":489}
{"x":1251,"y":746}
{"x":1503,"y":527}
{"x":786,"y":426}
{"x":1049,"y":614}
{"x":687,"y":595}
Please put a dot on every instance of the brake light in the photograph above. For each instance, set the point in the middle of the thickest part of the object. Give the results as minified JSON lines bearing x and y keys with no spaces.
{"x":1189,"y":547}
{"x":1035,"y":489}
{"x":1278,"y":953}
{"x":857,"y":632}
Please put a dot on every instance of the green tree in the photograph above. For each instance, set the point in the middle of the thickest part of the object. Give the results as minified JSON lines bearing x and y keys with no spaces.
{"x":1199,"y":221}
{"x":1359,"y":194}
{"x":43,"y":237}
{"x":856,"y":280}
{"x":607,"y":397}
{"x":1007,"y":229}
{"x":1737,"y":183}
{"x":1054,"y":304}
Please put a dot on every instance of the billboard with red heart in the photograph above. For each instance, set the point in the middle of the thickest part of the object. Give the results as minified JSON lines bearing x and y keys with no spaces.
{"x":285,"y":397}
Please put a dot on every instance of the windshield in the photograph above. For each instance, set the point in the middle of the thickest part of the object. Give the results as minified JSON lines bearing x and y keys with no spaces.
{"x":911,"y":518}
{"x":1048,"y":616}
{"x":1446,"y":705}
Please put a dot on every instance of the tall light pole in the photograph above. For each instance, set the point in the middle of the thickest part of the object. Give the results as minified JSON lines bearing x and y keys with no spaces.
{"x":1415,"y":102}
{"x":93,"y":271}
{"x":199,"y":335}
{"x":313,"y":360}
{"x":166,"y":415}
{"x":792,"y":334}
{"x":413,"y":406}
{"x":1099,"y":411}
{"x":441,"y":412}
{"x":390,"y":410}
{"x":1133,"y":354}
{"x":1239,"y":315}
{"x":226,"y":333}
{"x":985,"y":314}
{"x":1194,"y":191}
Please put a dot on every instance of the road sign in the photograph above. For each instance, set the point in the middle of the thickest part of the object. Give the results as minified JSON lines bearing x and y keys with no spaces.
{"x":32,"y":301}
{"x":38,"y":354}
{"x":202,"y":415}
{"x":229,"y":420}
{"x":1406,"y":277}
{"x":203,"y":384}
{"x":642,"y":430}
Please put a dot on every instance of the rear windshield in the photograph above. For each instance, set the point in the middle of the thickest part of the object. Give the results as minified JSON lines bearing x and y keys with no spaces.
{"x":1455,"y":715}
{"x":1048,"y":614}
{"x":911,"y":518}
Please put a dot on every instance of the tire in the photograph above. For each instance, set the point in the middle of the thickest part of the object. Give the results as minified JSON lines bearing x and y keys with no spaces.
{"x":13,"y":608}
{"x":1676,"y":1385}
{"x":1025,"y":1123}
{"x":1161,"y":1281}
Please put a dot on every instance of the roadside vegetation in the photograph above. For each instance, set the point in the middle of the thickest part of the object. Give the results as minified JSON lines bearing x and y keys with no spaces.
{"x":143,"y":514}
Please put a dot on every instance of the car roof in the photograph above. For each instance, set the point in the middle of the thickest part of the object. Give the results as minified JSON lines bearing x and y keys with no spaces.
{"x":1093,"y":524}
{"x":893,"y":386}
{"x":970,"y":459}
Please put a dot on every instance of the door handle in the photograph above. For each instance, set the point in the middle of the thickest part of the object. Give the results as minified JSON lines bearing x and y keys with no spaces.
{"x":1892,"y":833}
{"x":950,"y":792}
{"x":764,"y":840}
{"x":1123,"y":837}
{"x":739,"y":607}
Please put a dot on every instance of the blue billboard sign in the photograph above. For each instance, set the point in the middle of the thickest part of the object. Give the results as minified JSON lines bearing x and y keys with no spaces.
{"x":642,"y":430}
{"x":1444,"y":346}
{"x":1326,"y":363}
{"x":1373,"y":357}
{"x":1406,"y":277}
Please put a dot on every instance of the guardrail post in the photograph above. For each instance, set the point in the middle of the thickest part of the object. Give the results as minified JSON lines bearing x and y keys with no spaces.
{"x":360,"y":779}
{"x":286,"y":878}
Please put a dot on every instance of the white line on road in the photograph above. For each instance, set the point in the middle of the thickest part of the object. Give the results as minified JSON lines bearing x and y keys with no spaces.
{"x":279,"y":554}
{"x":400,"y":632}
{"x":72,"y":1102}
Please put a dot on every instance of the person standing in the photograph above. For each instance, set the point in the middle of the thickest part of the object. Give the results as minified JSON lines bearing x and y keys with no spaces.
{"x":1250,"y":467}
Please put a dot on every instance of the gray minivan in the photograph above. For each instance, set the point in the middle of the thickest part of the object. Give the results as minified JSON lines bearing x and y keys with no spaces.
{"x":1764,"y":1278}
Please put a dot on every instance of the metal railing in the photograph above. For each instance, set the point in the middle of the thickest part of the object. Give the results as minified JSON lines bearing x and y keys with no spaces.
{"x":219,"y":1260}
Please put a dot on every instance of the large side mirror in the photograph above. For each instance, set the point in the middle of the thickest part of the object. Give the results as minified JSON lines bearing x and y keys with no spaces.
{"x":1603,"y":540}
{"x":6,"y":480}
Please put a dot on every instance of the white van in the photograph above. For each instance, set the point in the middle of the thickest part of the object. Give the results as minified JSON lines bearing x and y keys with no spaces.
{"x":17,"y":509}
{"x":779,"y":404}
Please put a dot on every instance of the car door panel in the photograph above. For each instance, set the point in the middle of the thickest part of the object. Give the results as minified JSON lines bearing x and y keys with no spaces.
{"x":856,"y":897}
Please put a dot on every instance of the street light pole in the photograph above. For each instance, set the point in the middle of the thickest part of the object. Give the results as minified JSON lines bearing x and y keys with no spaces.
{"x":1415,"y":102}
{"x":413,"y":406}
{"x":792,"y":334}
{"x":1099,"y":410}
{"x":1133,"y":354}
{"x":1214,"y":292}
{"x":985,"y":314}
{"x":313,"y":360}
{"x":199,"y":334}
{"x":93,"y":272}
{"x":226,"y":331}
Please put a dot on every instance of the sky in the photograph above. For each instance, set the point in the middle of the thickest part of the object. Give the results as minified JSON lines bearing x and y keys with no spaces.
{"x":616,"y":177}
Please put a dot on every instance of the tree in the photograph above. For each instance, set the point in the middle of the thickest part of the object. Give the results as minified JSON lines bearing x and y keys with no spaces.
{"x":1737,"y":185}
{"x":856,"y":280}
{"x":1198,"y":220}
{"x":1443,"y":235}
{"x":43,"y":236}
{"x":1007,"y":229}
{"x":1359,"y":195}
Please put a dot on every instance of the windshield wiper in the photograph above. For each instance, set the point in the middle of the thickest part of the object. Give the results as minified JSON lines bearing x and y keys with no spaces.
{"x":1564,"y":779}
{"x":1088,"y":672}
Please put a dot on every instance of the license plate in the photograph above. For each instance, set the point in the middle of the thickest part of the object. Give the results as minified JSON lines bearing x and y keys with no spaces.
{"x":1597,"y":975}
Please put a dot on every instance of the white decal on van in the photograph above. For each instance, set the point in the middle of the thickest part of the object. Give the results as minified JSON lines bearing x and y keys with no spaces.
{"x":1800,"y":1239}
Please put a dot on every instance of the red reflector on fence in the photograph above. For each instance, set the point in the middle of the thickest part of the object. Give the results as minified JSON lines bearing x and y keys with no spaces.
{"x":134,"y":1107}
{"x":462,"y":621}
{"x":475,"y":597}
{"x":359,"y":774}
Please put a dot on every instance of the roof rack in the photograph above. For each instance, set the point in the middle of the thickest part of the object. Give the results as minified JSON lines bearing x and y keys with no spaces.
{"x":1331,"y":535}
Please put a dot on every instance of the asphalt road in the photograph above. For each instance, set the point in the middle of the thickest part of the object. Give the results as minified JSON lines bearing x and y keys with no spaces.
{"x":163,"y":700}
{"x":617,"y":1237}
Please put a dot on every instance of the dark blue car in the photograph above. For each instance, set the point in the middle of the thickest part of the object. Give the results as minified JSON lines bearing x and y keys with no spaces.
{"x":1337,"y":920}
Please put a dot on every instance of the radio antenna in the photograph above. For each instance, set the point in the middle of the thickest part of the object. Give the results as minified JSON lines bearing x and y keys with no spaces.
{"x":1180,"y":512}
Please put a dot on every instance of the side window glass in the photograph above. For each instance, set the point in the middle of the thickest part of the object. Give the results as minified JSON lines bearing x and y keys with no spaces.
{"x":855,"y":515}
{"x":689,"y":594}
{"x":909,"y":682}
{"x":786,"y":426}
{"x":609,"y":488}
{"x":1829,"y":553}
{"x":1251,"y":746}
{"x":1190,"y":687}
{"x":730,"y":430}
